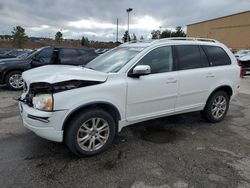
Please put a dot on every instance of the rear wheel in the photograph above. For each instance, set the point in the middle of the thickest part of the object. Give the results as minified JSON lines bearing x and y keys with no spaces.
{"x":14,"y":80}
{"x":216,"y":107}
{"x":90,"y":132}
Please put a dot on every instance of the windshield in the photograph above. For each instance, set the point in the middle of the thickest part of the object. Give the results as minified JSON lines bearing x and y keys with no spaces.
{"x":32,"y":53}
{"x":26,"y":54}
{"x":114,"y":60}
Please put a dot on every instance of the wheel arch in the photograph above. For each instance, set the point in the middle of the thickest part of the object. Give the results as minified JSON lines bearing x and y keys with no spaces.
{"x":226,"y":88}
{"x":108,"y":107}
{"x":6,"y":72}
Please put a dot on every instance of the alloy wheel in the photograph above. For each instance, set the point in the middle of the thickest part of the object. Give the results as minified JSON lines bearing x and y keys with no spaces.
{"x":219,"y":107}
{"x":93,"y":134}
{"x":16,"y":81}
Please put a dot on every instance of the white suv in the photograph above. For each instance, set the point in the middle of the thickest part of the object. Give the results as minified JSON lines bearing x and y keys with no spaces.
{"x":86,"y":106}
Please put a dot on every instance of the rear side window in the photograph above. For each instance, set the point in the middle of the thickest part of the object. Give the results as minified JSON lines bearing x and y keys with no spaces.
{"x":66,"y":53}
{"x":190,"y":57}
{"x":217,"y":56}
{"x":70,"y":57}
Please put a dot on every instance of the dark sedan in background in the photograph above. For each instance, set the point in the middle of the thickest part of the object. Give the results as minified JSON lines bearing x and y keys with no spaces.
{"x":11,"y":69}
{"x":12,"y":53}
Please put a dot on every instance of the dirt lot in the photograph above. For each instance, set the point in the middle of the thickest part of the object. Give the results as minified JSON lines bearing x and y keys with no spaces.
{"x":179,"y":151}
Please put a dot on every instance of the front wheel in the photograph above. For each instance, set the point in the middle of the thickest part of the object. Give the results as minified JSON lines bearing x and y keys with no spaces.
{"x":216,"y":107}
{"x":90,"y":132}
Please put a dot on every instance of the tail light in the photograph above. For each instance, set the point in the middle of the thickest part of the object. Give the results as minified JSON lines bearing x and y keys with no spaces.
{"x":241,"y":72}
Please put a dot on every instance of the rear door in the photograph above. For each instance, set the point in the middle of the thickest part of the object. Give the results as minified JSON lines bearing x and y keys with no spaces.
{"x":192,"y":73}
{"x":220,"y":66}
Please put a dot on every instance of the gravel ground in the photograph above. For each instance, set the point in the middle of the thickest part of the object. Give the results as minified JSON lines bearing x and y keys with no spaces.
{"x":178,"y":151}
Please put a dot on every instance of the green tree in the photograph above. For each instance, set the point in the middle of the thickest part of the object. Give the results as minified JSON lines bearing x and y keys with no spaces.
{"x":19,"y":36}
{"x":59,"y":37}
{"x":156,"y":34}
{"x":84,"y":41}
{"x":141,"y":38}
{"x":179,"y":32}
{"x":134,"y":38}
{"x":126,"y":37}
{"x":166,"y":34}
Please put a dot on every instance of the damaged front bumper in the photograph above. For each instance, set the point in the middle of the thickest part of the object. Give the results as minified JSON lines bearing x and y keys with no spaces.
{"x":45,"y":124}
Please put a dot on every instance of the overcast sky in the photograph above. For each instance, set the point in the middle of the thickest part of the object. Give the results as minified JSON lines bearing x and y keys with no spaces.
{"x":96,"y":19}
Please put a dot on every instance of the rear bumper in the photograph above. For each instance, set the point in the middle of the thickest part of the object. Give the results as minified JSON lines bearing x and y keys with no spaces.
{"x":42,"y":123}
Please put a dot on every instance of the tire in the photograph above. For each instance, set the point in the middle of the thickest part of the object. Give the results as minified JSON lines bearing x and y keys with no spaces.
{"x":84,"y":139}
{"x":14,"y":80}
{"x":216,"y":107}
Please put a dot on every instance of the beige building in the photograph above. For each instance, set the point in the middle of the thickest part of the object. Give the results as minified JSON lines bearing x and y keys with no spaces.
{"x":232,"y":30}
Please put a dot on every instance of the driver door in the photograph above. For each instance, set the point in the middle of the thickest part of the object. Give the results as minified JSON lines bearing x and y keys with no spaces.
{"x":154,"y":94}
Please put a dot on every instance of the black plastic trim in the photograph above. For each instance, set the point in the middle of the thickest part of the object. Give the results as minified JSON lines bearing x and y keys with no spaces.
{"x":42,"y":119}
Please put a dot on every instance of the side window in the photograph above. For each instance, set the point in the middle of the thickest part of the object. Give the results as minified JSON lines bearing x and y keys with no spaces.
{"x":69,"y":57}
{"x":204,"y":58}
{"x":68,"y":53}
{"x":46,"y":53}
{"x":217,"y":55}
{"x":190,"y":57}
{"x":160,"y":60}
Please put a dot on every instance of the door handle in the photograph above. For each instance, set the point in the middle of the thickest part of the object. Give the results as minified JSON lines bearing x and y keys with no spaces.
{"x":171,"y":80}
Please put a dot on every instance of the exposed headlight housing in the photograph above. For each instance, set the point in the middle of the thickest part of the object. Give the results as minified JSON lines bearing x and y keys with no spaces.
{"x":43,"y":102}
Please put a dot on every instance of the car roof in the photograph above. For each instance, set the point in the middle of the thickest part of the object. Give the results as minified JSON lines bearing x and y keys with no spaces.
{"x":172,"y":41}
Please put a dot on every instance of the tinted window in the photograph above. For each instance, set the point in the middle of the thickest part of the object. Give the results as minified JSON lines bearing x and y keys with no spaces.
{"x":190,"y":57}
{"x":69,"y":53}
{"x":85,"y":51}
{"x":217,"y":55}
{"x":204,"y":58}
{"x":46,"y":53}
{"x":160,"y":60}
{"x":70,"y":57}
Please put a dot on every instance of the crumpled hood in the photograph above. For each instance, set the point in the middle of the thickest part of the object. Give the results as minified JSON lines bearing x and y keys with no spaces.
{"x":59,"y":73}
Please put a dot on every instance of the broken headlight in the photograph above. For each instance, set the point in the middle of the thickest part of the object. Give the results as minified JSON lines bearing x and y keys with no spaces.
{"x":43,"y":102}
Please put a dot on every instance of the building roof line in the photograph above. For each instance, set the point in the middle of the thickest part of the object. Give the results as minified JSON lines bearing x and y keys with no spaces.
{"x":248,"y":11}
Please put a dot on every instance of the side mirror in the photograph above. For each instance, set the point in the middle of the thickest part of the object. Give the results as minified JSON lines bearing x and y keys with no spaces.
{"x":140,"y":70}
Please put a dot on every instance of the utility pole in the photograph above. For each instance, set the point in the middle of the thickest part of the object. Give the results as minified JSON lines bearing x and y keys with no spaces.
{"x":117,"y":21}
{"x":128,"y":11}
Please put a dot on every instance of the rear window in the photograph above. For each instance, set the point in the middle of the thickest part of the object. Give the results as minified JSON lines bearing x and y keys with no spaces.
{"x":84,"y":52}
{"x":217,"y":56}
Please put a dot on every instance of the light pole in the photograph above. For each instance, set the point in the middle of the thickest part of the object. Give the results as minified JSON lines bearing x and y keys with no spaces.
{"x":128,"y":11}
